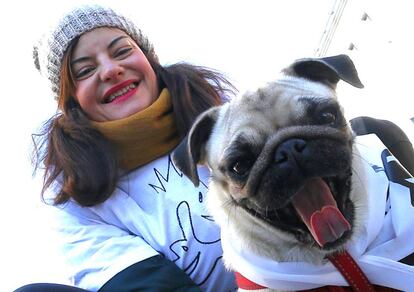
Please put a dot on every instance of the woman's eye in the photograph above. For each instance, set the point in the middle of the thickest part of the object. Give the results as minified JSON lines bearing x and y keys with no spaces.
{"x":123,"y":51}
{"x":84,"y":72}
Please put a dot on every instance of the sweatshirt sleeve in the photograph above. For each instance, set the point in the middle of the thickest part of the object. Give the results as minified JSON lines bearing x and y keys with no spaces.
{"x":153,"y":274}
{"x":96,"y":244}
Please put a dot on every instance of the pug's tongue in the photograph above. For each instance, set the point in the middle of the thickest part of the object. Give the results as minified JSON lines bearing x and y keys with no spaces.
{"x":318,"y":210}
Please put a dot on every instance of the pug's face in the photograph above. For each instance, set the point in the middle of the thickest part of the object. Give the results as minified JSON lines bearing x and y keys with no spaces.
{"x":282,"y":155}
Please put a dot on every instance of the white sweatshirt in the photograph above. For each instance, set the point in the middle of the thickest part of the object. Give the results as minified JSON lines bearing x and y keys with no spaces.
{"x":154,"y":210}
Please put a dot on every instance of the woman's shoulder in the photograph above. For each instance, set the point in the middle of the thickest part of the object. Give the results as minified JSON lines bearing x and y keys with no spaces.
{"x":160,"y":173}
{"x":147,"y":185}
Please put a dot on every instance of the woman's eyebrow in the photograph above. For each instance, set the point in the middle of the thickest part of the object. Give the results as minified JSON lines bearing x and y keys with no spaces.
{"x":111,"y":44}
{"x":79,"y":60}
{"x":114,"y":41}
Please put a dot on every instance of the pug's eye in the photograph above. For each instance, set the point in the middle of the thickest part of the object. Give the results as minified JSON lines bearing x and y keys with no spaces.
{"x":328,"y":117}
{"x":241,"y":167}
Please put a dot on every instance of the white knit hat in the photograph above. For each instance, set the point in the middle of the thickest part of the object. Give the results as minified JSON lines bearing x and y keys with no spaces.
{"x":49,"y":51}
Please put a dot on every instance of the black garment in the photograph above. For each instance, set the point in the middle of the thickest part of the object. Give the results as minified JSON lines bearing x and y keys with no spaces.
{"x":155,"y":274}
{"x":48,"y":287}
{"x":391,"y":135}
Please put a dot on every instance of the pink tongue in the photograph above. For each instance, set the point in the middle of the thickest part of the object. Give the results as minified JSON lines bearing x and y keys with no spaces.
{"x":318,"y":210}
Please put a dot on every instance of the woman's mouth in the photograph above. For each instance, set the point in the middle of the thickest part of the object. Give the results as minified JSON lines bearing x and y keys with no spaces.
{"x":122,"y":94}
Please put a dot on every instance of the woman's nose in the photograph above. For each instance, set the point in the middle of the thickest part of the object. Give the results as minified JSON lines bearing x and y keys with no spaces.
{"x":111,"y":70}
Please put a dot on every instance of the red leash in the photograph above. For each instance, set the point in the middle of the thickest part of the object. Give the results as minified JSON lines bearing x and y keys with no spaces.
{"x":351,"y":271}
{"x":344,"y":263}
{"x":246,"y":284}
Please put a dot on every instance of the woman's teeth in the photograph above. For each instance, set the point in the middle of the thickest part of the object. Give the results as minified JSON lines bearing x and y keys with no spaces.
{"x":120,"y":92}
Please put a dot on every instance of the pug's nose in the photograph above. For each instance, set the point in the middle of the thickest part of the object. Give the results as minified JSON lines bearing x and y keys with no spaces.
{"x":290,"y":151}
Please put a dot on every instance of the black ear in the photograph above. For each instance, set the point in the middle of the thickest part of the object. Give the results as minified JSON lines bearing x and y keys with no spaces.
{"x":328,"y":70}
{"x":190,"y":151}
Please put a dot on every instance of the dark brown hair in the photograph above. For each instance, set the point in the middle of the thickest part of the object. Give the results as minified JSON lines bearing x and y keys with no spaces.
{"x":83,"y":160}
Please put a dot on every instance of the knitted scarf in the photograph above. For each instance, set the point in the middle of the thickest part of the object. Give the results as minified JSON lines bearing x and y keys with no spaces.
{"x":143,"y":136}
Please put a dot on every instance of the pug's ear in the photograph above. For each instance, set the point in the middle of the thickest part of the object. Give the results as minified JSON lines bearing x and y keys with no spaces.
{"x":327,"y":70}
{"x":190,"y":151}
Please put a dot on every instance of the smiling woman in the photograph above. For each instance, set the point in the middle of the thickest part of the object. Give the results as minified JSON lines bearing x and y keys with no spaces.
{"x":107,"y":150}
{"x":113,"y":78}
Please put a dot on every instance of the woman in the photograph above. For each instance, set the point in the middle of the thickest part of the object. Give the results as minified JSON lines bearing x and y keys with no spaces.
{"x":128,"y":218}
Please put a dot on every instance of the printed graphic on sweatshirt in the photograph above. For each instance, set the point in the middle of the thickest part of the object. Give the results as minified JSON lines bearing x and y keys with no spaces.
{"x":197,"y":252}
{"x":397,"y":173}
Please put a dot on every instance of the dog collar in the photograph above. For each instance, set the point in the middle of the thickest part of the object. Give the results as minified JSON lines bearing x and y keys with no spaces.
{"x":350,"y":270}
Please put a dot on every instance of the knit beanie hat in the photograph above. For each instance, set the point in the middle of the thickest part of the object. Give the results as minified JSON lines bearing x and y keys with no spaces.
{"x":49,"y":51}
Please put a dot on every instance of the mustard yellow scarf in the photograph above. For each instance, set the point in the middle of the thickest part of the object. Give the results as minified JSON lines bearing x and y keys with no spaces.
{"x":144,"y":136}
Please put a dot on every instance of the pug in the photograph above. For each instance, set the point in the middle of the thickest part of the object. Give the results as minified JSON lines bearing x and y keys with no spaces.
{"x":283,"y":163}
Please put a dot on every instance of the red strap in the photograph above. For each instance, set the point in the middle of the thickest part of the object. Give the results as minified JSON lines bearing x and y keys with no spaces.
{"x":345,"y":265}
{"x":351,"y":271}
{"x":246,"y":284}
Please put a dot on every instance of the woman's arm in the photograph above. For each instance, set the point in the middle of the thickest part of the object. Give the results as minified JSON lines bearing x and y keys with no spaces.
{"x":153,"y":274}
{"x":106,"y":257}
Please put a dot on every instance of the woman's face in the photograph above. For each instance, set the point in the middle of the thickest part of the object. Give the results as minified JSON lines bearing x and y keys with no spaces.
{"x":113,"y":78}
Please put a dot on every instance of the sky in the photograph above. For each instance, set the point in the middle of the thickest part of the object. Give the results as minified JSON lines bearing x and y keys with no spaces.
{"x":248,"y":41}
